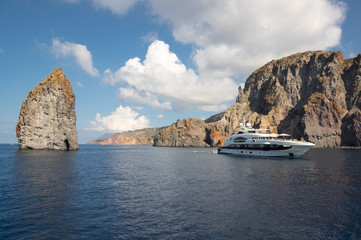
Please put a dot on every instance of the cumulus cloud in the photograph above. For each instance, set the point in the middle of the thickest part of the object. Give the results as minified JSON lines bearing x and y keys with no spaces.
{"x":233,"y":38}
{"x":142,"y":97}
{"x":122,"y":119}
{"x":236,"y":37}
{"x":82,"y":55}
{"x":163,"y":81}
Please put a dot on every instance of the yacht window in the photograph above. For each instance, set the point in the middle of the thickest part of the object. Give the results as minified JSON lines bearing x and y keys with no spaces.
{"x":234,"y":146}
{"x":240,"y":139}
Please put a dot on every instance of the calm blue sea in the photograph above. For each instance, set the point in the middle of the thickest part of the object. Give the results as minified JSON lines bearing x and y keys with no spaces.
{"x":143,"y":192}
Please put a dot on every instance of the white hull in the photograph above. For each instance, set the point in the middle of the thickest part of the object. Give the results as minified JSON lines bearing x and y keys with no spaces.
{"x":261,"y":142}
{"x":297,"y":150}
{"x":293,"y":152}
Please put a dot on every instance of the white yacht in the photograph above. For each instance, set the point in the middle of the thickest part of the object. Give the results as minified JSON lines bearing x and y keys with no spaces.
{"x":261,"y":142}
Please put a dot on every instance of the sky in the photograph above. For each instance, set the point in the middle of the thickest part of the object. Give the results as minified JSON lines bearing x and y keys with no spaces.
{"x":146,"y":63}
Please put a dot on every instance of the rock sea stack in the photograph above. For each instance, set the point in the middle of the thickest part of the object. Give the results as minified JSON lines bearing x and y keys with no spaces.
{"x":47,"y":118}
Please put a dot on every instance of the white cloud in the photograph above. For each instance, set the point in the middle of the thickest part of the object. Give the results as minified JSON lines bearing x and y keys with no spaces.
{"x":234,"y":38}
{"x":162,"y":80}
{"x":122,"y":119}
{"x":160,"y":116}
{"x":79,"y":84}
{"x":80,"y":52}
{"x":230,"y":38}
{"x":150,"y":37}
{"x":142,"y":97}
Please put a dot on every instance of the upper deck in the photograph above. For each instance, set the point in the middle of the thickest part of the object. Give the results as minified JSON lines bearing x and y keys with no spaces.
{"x":256,"y":134}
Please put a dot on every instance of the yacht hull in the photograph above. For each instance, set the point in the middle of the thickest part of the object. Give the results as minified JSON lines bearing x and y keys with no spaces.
{"x":296,"y":150}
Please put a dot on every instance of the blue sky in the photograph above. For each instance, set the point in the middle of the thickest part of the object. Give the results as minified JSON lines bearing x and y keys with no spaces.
{"x":147,"y":63}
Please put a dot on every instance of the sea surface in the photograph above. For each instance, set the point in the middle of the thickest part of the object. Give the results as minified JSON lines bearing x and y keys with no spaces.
{"x":144,"y":192}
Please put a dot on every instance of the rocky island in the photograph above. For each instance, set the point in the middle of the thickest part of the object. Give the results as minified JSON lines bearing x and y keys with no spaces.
{"x":47,"y":118}
{"x":315,"y":96}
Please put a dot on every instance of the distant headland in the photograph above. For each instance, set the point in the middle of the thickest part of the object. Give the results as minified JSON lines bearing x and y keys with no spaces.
{"x":137,"y":137}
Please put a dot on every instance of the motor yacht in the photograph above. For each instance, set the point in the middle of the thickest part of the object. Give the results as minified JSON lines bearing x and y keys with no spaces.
{"x":261,"y":142}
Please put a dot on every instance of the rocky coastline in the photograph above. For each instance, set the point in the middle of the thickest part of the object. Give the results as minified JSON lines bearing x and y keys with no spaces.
{"x":314,"y":95}
{"x":137,"y":137}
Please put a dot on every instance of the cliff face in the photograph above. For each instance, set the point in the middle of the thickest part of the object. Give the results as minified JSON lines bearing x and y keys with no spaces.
{"x":188,"y":132}
{"x":304,"y":94}
{"x":47,"y":117}
{"x":313,"y":95}
{"x":144,"y":137}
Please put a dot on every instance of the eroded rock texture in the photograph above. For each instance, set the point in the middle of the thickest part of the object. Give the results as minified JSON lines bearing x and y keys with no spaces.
{"x":47,"y":118}
{"x":313,"y":95}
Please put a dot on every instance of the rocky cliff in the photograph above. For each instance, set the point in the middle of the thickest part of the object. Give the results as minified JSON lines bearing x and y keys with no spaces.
{"x":47,"y":117}
{"x":315,"y":95}
{"x":188,"y":132}
{"x":143,"y":136}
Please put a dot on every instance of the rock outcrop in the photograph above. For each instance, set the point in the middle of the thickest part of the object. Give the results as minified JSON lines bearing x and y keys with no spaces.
{"x":314,"y":96}
{"x":47,"y":117}
{"x":183,"y":133}
{"x":144,"y":137}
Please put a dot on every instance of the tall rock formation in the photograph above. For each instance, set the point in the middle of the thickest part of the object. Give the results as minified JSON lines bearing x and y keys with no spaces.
{"x":313,"y":95}
{"x":47,"y":117}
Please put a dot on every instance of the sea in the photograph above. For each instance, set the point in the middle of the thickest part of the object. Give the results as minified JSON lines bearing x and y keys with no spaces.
{"x":145,"y":192}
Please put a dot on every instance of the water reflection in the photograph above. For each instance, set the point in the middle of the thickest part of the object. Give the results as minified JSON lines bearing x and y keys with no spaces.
{"x":43,"y":184}
{"x":137,"y":192}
